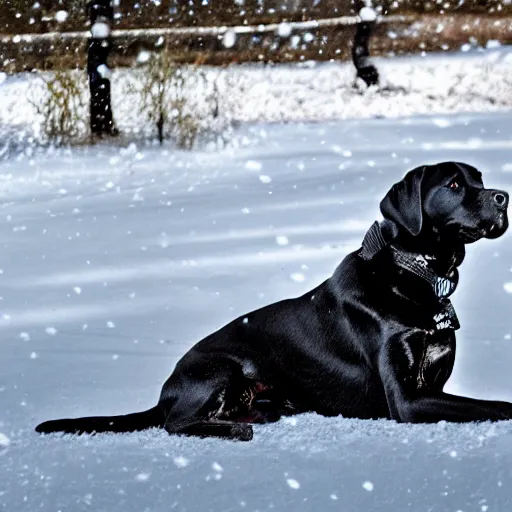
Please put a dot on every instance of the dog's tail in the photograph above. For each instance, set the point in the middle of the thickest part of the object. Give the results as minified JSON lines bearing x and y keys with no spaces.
{"x":95,"y":424}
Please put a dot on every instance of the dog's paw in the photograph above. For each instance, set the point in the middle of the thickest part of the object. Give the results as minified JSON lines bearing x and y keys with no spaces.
{"x":46,"y":427}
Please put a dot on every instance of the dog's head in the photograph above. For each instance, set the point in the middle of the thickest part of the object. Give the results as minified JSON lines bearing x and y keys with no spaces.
{"x":448,"y":200}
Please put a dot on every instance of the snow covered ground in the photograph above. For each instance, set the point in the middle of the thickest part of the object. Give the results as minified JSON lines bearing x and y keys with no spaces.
{"x":115,"y":262}
{"x":474,"y":80}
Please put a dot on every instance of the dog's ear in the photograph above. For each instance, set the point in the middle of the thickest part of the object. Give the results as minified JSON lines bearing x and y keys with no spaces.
{"x":403,"y":204}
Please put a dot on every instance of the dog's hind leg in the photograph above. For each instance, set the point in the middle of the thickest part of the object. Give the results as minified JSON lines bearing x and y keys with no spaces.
{"x":224,"y":430}
{"x":198,"y":397}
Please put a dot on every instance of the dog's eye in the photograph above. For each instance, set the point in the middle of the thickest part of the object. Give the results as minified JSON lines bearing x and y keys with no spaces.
{"x":454,"y":185}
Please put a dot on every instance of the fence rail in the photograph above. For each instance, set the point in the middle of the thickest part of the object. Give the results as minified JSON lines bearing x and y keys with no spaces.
{"x":204,"y":31}
{"x":19,"y":16}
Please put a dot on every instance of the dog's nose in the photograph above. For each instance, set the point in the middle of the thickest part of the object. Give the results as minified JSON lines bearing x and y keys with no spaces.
{"x":500,"y":199}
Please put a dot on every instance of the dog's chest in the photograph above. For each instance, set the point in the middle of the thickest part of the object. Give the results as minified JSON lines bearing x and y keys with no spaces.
{"x":435,"y":363}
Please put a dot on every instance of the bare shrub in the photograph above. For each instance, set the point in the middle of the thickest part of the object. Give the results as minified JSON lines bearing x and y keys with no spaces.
{"x":180,"y":101}
{"x":58,"y":99}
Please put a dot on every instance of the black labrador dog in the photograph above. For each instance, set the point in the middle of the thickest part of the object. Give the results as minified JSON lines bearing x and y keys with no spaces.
{"x":375,"y":340}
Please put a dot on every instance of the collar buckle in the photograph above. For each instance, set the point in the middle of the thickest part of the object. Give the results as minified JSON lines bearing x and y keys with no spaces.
{"x":446,"y":318}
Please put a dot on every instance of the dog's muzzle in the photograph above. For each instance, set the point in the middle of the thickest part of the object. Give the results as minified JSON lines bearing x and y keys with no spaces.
{"x":498,"y":223}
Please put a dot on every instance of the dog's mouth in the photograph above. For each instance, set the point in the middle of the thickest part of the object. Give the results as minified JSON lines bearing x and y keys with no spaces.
{"x":493,"y":229}
{"x":497,"y":228}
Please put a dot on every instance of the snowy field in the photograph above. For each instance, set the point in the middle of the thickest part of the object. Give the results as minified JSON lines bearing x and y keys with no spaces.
{"x":115,"y":262}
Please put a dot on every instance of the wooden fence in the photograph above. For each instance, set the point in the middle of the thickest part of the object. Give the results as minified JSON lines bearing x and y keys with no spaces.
{"x":268,"y":30}
{"x":28,"y":16}
{"x":100,"y":38}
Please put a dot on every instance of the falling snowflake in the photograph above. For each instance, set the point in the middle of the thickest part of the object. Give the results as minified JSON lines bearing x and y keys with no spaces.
{"x":367,"y":14}
{"x":368,"y":486}
{"x":100,"y":30}
{"x":298,"y":277}
{"x":293,"y":483}
{"x":217,"y":467}
{"x":181,"y":462}
{"x":61,"y":16}
{"x":253,"y":165}
{"x":229,"y":38}
{"x":284,"y":29}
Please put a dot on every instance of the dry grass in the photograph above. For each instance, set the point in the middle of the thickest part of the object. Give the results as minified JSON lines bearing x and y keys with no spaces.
{"x":161,"y":90}
{"x":58,"y":99}
{"x":161,"y":96}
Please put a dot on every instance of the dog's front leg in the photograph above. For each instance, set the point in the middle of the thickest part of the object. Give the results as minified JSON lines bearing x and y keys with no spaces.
{"x":411,"y":402}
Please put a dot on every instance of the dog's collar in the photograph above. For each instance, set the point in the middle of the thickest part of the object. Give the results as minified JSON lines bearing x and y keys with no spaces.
{"x":419,"y":265}
{"x":373,"y":242}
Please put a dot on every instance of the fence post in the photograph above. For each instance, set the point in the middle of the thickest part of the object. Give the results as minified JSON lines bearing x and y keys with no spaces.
{"x":360,"y":52}
{"x":101,"y":14}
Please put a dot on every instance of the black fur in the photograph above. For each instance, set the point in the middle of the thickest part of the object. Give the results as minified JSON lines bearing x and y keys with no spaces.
{"x":362,"y":344}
